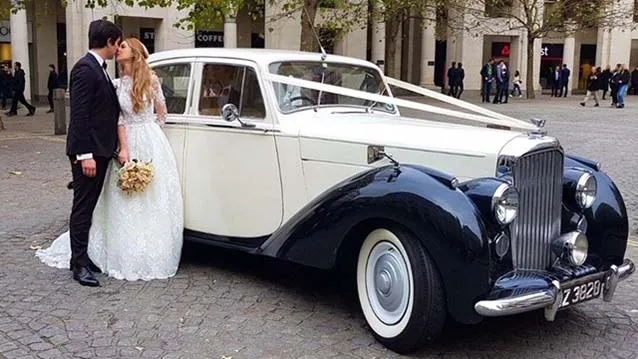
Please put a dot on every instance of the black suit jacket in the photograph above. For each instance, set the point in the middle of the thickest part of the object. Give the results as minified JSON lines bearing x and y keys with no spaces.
{"x":53,"y":82}
{"x":94,"y":110}
{"x":19,"y":80}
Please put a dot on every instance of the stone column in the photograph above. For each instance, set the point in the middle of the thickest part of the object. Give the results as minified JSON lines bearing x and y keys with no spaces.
{"x":378,"y":38}
{"x":230,"y":31}
{"x":412,"y":54}
{"x":76,"y":35}
{"x":20,"y":44}
{"x":569,"y":50}
{"x":428,"y":52}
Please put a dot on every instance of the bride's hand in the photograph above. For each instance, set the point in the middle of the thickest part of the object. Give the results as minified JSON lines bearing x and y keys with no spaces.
{"x":123,"y":156}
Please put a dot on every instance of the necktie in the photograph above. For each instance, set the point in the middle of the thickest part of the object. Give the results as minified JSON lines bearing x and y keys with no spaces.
{"x":104,"y":65}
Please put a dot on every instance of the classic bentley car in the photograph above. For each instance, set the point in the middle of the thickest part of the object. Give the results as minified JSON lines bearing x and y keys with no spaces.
{"x":306,"y":157}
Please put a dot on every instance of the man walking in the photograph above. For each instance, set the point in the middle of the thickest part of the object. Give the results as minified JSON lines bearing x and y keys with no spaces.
{"x":18,"y":94}
{"x":52,"y":84}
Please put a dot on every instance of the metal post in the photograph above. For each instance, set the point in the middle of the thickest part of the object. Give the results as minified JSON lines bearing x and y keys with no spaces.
{"x":59,"y":105}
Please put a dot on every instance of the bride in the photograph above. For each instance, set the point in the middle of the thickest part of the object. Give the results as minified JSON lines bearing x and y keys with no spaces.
{"x":138,"y":236}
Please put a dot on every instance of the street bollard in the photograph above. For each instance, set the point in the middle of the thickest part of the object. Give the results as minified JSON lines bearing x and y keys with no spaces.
{"x":59,"y":114}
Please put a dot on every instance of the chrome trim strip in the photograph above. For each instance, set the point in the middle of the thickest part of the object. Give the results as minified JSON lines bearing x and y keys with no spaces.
{"x":516,"y":305}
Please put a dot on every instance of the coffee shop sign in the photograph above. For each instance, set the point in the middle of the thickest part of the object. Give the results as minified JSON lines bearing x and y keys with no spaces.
{"x":5,"y":31}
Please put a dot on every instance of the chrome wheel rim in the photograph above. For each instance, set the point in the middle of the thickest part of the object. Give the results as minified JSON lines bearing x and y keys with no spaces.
{"x":387,"y":283}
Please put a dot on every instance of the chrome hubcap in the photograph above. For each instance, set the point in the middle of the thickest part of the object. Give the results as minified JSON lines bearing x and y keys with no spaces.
{"x":387,"y":283}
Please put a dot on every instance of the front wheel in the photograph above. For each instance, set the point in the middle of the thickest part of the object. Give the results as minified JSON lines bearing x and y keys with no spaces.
{"x":400,"y":290}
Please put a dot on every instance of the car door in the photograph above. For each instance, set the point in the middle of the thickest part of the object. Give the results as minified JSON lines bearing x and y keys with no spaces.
{"x":232,"y":180}
{"x":176,"y":78}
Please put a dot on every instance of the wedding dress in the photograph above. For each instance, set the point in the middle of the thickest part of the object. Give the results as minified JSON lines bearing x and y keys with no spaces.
{"x":138,"y":236}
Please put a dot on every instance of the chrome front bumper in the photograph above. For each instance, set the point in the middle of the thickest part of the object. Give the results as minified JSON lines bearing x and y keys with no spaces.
{"x":550,"y":298}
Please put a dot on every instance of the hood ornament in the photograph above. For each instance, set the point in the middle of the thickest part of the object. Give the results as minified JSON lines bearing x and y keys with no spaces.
{"x":540,"y":124}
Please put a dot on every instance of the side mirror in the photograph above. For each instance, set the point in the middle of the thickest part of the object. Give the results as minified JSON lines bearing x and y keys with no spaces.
{"x":230,"y":113}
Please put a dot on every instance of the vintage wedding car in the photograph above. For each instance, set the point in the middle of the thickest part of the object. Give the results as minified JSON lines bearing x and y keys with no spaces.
{"x":305,"y":157}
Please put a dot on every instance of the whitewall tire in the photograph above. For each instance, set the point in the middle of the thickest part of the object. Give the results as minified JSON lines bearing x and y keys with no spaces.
{"x":399,"y":289}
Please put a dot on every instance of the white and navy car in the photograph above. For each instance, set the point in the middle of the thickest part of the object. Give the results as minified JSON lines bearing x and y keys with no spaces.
{"x":305,"y":157}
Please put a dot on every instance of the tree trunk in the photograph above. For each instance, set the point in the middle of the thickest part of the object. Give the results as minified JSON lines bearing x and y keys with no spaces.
{"x":391,"y":31}
{"x":308,"y":39}
{"x":529,"y":85}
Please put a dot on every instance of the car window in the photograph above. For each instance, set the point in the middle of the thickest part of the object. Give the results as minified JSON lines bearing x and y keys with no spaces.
{"x":174,"y":79}
{"x":239,"y":85}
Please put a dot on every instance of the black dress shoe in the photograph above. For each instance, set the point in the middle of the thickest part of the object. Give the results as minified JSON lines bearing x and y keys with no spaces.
{"x":84,"y":276}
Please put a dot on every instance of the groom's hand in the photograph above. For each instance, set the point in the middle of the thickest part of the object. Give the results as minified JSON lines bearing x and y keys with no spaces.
{"x":88,"y":168}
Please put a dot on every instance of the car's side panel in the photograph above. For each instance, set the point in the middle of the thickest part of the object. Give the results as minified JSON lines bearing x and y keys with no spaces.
{"x":608,"y":227}
{"x":444,"y":219}
{"x":292,"y":173}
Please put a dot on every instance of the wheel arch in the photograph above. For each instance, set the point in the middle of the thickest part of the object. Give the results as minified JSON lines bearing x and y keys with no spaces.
{"x":328,"y":229}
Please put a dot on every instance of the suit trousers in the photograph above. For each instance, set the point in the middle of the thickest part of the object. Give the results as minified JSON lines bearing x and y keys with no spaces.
{"x":86,"y":191}
{"x":18,"y":96}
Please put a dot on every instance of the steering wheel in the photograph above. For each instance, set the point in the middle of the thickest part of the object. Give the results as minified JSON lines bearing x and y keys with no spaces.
{"x":305,"y":98}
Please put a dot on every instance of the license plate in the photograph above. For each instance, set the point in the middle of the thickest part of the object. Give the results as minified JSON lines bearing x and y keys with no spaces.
{"x":582,"y":290}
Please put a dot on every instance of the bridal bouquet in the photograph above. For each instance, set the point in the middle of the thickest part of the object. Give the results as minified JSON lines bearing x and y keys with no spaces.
{"x":135,"y":176}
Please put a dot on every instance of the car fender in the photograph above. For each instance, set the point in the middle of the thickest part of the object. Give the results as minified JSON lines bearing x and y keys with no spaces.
{"x":419,"y":199}
{"x":607,"y":220}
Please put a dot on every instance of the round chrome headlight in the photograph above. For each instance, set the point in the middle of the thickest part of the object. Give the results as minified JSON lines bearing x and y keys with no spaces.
{"x":586,"y":189}
{"x":571,"y":247}
{"x":505,"y":204}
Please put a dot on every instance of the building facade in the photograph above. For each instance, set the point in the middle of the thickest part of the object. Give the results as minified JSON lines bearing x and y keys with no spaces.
{"x":52,"y":34}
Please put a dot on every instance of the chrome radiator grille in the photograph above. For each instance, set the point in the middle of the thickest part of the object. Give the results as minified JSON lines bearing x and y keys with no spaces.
{"x":538,"y":177}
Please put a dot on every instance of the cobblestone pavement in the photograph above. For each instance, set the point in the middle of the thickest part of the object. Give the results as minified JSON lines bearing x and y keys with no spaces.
{"x":223,"y":304}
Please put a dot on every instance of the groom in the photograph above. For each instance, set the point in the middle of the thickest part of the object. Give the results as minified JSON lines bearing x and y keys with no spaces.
{"x":92,"y":138}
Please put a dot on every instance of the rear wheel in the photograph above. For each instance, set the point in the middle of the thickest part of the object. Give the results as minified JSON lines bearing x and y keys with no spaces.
{"x":399,"y":289}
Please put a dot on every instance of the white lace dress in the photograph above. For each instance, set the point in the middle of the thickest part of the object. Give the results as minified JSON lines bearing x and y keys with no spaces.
{"x":138,"y":236}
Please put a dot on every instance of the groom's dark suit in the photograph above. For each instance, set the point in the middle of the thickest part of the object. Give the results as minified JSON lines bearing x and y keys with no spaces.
{"x":92,"y":132}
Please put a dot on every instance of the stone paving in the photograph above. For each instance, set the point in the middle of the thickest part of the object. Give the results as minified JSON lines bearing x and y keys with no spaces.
{"x":229,"y":305}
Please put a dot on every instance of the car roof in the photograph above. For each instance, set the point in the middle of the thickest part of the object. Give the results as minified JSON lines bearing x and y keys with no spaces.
{"x":263,"y":57}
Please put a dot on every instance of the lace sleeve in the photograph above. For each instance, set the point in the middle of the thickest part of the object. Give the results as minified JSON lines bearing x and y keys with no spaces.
{"x":160,"y":101}
{"x":116,"y":84}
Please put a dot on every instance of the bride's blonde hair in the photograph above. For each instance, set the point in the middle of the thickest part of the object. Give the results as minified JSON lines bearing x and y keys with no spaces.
{"x":141,"y":73}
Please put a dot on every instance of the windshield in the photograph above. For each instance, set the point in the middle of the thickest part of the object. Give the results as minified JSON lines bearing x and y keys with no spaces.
{"x":293,"y":98}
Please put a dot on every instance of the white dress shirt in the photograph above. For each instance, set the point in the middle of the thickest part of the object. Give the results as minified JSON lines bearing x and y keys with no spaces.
{"x":100,"y":60}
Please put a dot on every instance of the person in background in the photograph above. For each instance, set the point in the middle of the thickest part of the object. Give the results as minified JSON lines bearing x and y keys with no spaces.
{"x":564,"y":80}
{"x":487,"y":75}
{"x":499,"y":81}
{"x":604,"y":81}
{"x":52,"y":84}
{"x":634,"y":80}
{"x":593,"y":83}
{"x":516,"y":85}
{"x":5,"y":83}
{"x":18,"y":94}
{"x":623,"y":84}
{"x":505,"y":83}
{"x":460,"y":77}
{"x":613,"y":85}
{"x":556,"y":82}
{"x":451,"y":79}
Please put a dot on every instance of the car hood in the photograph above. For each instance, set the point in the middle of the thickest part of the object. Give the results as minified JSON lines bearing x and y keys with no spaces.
{"x":460,"y":150}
